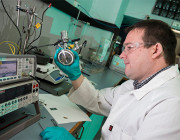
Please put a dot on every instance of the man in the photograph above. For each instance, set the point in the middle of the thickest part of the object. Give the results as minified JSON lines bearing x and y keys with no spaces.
{"x":147,"y":107}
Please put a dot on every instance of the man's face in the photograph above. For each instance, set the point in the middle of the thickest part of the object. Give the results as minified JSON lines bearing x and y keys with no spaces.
{"x":136,"y":57}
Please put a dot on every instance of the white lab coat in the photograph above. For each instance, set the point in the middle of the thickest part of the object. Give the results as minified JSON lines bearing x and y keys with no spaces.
{"x":149,"y":113}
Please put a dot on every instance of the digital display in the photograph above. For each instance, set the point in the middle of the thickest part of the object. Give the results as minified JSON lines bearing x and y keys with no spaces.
{"x":8,"y":68}
{"x":12,"y":93}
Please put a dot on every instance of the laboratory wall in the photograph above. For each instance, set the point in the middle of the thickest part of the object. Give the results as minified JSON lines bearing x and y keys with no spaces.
{"x":54,"y":21}
{"x":9,"y":33}
{"x":86,"y":4}
{"x":117,"y":12}
{"x":111,"y":11}
{"x":78,"y":29}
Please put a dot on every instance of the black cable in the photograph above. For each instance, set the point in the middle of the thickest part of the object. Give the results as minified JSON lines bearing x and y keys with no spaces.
{"x":32,"y":32}
{"x":35,"y":79}
{"x":36,"y":47}
{"x":15,"y":26}
{"x":30,"y":49}
{"x":23,"y":31}
{"x":54,"y":44}
{"x":38,"y":17}
{"x":40,"y":29}
{"x":83,"y":45}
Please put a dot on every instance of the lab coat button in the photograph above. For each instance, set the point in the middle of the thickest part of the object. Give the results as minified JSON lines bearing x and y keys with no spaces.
{"x":110,"y":128}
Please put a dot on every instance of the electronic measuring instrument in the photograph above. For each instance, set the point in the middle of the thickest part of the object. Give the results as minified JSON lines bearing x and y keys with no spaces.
{"x":49,"y":73}
{"x":17,"y":90}
{"x":15,"y":96}
{"x":16,"y":68}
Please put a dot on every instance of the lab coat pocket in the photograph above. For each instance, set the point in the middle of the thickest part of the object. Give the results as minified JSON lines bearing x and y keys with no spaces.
{"x":118,"y":134}
{"x":124,"y":136}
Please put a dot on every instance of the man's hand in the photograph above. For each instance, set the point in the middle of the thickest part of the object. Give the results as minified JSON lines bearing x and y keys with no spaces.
{"x":73,"y":70}
{"x":56,"y":133}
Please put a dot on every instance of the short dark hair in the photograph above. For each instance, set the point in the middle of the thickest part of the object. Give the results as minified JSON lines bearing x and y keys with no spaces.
{"x":157,"y":31}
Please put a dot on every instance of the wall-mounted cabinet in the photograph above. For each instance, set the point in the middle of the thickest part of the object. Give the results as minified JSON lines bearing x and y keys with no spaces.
{"x":104,"y":14}
{"x":111,"y":11}
{"x":86,"y":4}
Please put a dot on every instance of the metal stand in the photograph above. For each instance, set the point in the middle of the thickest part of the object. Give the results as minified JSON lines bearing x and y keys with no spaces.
{"x":8,"y":134}
{"x":28,"y":30}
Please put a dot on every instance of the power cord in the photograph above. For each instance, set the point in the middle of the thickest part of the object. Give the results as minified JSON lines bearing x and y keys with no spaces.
{"x":36,"y":47}
{"x":41,"y":26}
{"x":14,"y":25}
{"x":35,"y":79}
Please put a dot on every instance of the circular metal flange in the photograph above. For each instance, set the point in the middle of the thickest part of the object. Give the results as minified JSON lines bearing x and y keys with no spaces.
{"x":66,"y":57}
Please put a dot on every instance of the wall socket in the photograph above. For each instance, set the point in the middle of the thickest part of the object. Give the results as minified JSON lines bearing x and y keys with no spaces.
{"x":76,"y":4}
{"x":176,"y":24}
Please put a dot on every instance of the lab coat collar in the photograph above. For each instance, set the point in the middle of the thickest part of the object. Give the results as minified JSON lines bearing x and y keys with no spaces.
{"x":157,"y":81}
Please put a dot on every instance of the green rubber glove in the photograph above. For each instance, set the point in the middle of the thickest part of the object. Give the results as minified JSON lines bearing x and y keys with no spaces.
{"x":56,"y":133}
{"x":73,"y":70}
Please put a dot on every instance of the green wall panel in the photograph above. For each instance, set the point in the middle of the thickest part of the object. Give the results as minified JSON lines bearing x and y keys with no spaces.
{"x":61,"y":21}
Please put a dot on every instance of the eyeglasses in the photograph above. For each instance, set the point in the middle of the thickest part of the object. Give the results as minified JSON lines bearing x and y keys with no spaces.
{"x":130,"y":47}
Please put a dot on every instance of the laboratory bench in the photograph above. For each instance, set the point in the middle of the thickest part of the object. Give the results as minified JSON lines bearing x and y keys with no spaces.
{"x":103,"y":79}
